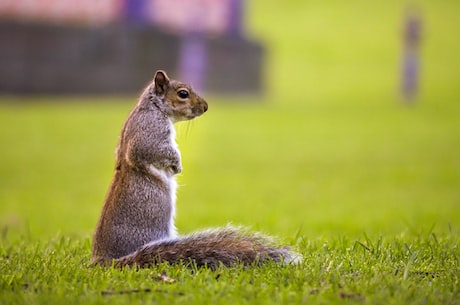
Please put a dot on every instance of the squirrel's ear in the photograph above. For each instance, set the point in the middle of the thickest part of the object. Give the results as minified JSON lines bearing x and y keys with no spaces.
{"x":161,"y":82}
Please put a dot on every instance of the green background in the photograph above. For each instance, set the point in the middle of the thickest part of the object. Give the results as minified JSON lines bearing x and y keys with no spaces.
{"x":330,"y":146}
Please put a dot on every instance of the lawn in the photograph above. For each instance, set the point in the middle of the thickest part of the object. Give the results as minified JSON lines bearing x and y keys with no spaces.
{"x":329,"y":159}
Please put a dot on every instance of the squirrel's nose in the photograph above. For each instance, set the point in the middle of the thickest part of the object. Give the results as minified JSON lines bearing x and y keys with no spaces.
{"x":205,"y":107}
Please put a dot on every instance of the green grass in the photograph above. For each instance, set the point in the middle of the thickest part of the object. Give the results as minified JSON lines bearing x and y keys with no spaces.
{"x":398,"y":270}
{"x":329,"y":160}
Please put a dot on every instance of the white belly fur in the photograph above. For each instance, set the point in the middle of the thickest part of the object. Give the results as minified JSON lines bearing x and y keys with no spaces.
{"x":167,"y":178}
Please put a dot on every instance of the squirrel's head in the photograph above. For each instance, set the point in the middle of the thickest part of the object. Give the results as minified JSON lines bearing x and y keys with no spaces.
{"x":177,"y":99}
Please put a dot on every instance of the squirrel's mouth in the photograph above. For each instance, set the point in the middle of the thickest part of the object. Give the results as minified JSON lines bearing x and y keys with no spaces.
{"x":200,"y":109}
{"x":193,"y":115}
{"x":190,"y":113}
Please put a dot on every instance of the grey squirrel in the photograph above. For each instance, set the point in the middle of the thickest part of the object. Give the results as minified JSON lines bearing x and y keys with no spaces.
{"x":136,"y":226}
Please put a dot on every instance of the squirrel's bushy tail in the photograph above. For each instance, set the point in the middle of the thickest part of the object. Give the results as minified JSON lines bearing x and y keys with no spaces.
{"x":213,"y":247}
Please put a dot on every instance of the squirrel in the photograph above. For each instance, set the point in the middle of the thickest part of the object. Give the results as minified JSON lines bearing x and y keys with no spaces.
{"x":136,"y":225}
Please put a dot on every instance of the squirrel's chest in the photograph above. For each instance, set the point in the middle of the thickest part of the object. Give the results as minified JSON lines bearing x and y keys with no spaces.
{"x":172,"y":137}
{"x":166,"y":174}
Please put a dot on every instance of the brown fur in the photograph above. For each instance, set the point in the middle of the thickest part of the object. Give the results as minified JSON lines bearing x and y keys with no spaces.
{"x":227,"y":246}
{"x":136,"y":226}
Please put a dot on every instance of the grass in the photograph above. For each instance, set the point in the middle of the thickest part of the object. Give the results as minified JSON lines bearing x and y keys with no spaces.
{"x":339,"y":270}
{"x":330,"y":160}
{"x":397,"y":270}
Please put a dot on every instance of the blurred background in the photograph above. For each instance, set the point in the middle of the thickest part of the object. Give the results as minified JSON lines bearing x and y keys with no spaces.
{"x":54,"y":46}
{"x":325,"y":117}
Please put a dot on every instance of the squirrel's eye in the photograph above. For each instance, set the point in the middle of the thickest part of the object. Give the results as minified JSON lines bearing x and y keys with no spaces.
{"x":183,"y":94}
